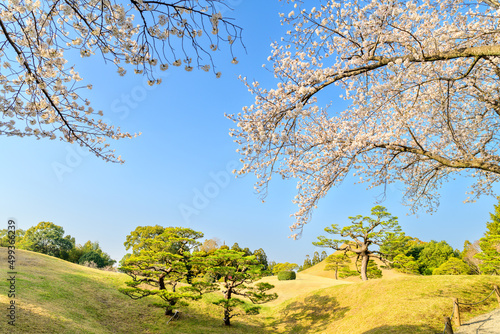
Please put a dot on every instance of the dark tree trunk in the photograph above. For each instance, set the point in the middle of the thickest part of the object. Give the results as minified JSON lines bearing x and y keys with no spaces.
{"x":227,"y":319}
{"x":336,"y":270}
{"x":364,"y":266}
{"x":170,"y":310}
{"x":161,"y":282}
{"x":227,"y":312}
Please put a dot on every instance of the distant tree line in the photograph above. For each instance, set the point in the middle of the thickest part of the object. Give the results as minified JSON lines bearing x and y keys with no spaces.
{"x":309,"y":262}
{"x":48,"y":238}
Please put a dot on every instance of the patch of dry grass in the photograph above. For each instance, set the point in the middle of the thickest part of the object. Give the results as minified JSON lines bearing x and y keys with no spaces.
{"x":303,"y":284}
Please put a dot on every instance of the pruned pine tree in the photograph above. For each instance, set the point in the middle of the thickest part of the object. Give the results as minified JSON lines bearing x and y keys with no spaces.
{"x":238,"y":274}
{"x":337,"y":261}
{"x":360,"y":237}
{"x":160,"y":260}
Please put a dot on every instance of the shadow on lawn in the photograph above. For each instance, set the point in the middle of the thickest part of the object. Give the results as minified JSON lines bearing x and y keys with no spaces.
{"x":313,"y":313}
{"x":400,"y":329}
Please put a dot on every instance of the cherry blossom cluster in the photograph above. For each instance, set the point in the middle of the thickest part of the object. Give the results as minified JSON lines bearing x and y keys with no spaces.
{"x":41,"y":96}
{"x":421,"y":81}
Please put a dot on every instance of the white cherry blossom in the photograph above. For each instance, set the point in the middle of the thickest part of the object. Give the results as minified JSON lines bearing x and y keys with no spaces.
{"x":40,"y":94}
{"x":422,"y":79}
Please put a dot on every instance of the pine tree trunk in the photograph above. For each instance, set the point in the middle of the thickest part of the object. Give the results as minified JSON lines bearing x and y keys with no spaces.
{"x":170,"y":310}
{"x":227,"y":313}
{"x":364,"y":267}
{"x":336,"y":270}
{"x":227,"y":319}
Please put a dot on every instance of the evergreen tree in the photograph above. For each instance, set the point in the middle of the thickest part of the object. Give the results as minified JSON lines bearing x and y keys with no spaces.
{"x":405,"y":264}
{"x":160,"y":260}
{"x":247,"y":251}
{"x":236,"y":247}
{"x":237,"y":272}
{"x":307,"y":263}
{"x":278,"y":267}
{"x":490,"y":245}
{"x":4,"y":237}
{"x":361,"y":235}
{"x":316,"y":259}
{"x":270,"y":266}
{"x":399,"y":243}
{"x":261,"y":256}
{"x":336,"y":261}
{"x":90,"y":257}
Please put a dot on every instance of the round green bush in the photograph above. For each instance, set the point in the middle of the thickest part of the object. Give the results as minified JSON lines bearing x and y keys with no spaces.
{"x":92,"y":256}
{"x":286,"y":275}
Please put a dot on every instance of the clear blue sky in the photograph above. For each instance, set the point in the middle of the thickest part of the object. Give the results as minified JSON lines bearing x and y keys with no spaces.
{"x":185,"y":150}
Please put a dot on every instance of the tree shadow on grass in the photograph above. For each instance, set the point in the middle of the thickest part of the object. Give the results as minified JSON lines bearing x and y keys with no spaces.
{"x":312,"y":313}
{"x":406,"y":329}
{"x":204,"y":318}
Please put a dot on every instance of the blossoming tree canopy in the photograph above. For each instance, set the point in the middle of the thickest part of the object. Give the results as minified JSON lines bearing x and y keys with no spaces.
{"x":421,"y":79}
{"x":41,"y":96}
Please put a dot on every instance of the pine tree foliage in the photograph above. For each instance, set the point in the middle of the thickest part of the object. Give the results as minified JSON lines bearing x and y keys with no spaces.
{"x":237,"y":272}
{"x":362,"y":235}
{"x":160,"y":260}
{"x":490,"y":245}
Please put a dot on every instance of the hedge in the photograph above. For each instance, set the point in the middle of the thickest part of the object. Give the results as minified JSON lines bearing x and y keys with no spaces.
{"x":286,"y":275}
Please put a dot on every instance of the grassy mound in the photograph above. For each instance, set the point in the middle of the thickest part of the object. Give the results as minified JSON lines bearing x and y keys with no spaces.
{"x":319,"y":270}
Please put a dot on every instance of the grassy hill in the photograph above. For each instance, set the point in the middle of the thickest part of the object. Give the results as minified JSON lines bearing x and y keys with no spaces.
{"x":54,"y":296}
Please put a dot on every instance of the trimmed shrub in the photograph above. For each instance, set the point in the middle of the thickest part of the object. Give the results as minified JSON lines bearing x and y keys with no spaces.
{"x":286,"y":275}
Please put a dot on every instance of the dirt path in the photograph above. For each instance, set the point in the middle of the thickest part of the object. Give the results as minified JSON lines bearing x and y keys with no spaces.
{"x":484,"y":324}
{"x":304,"y":283}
